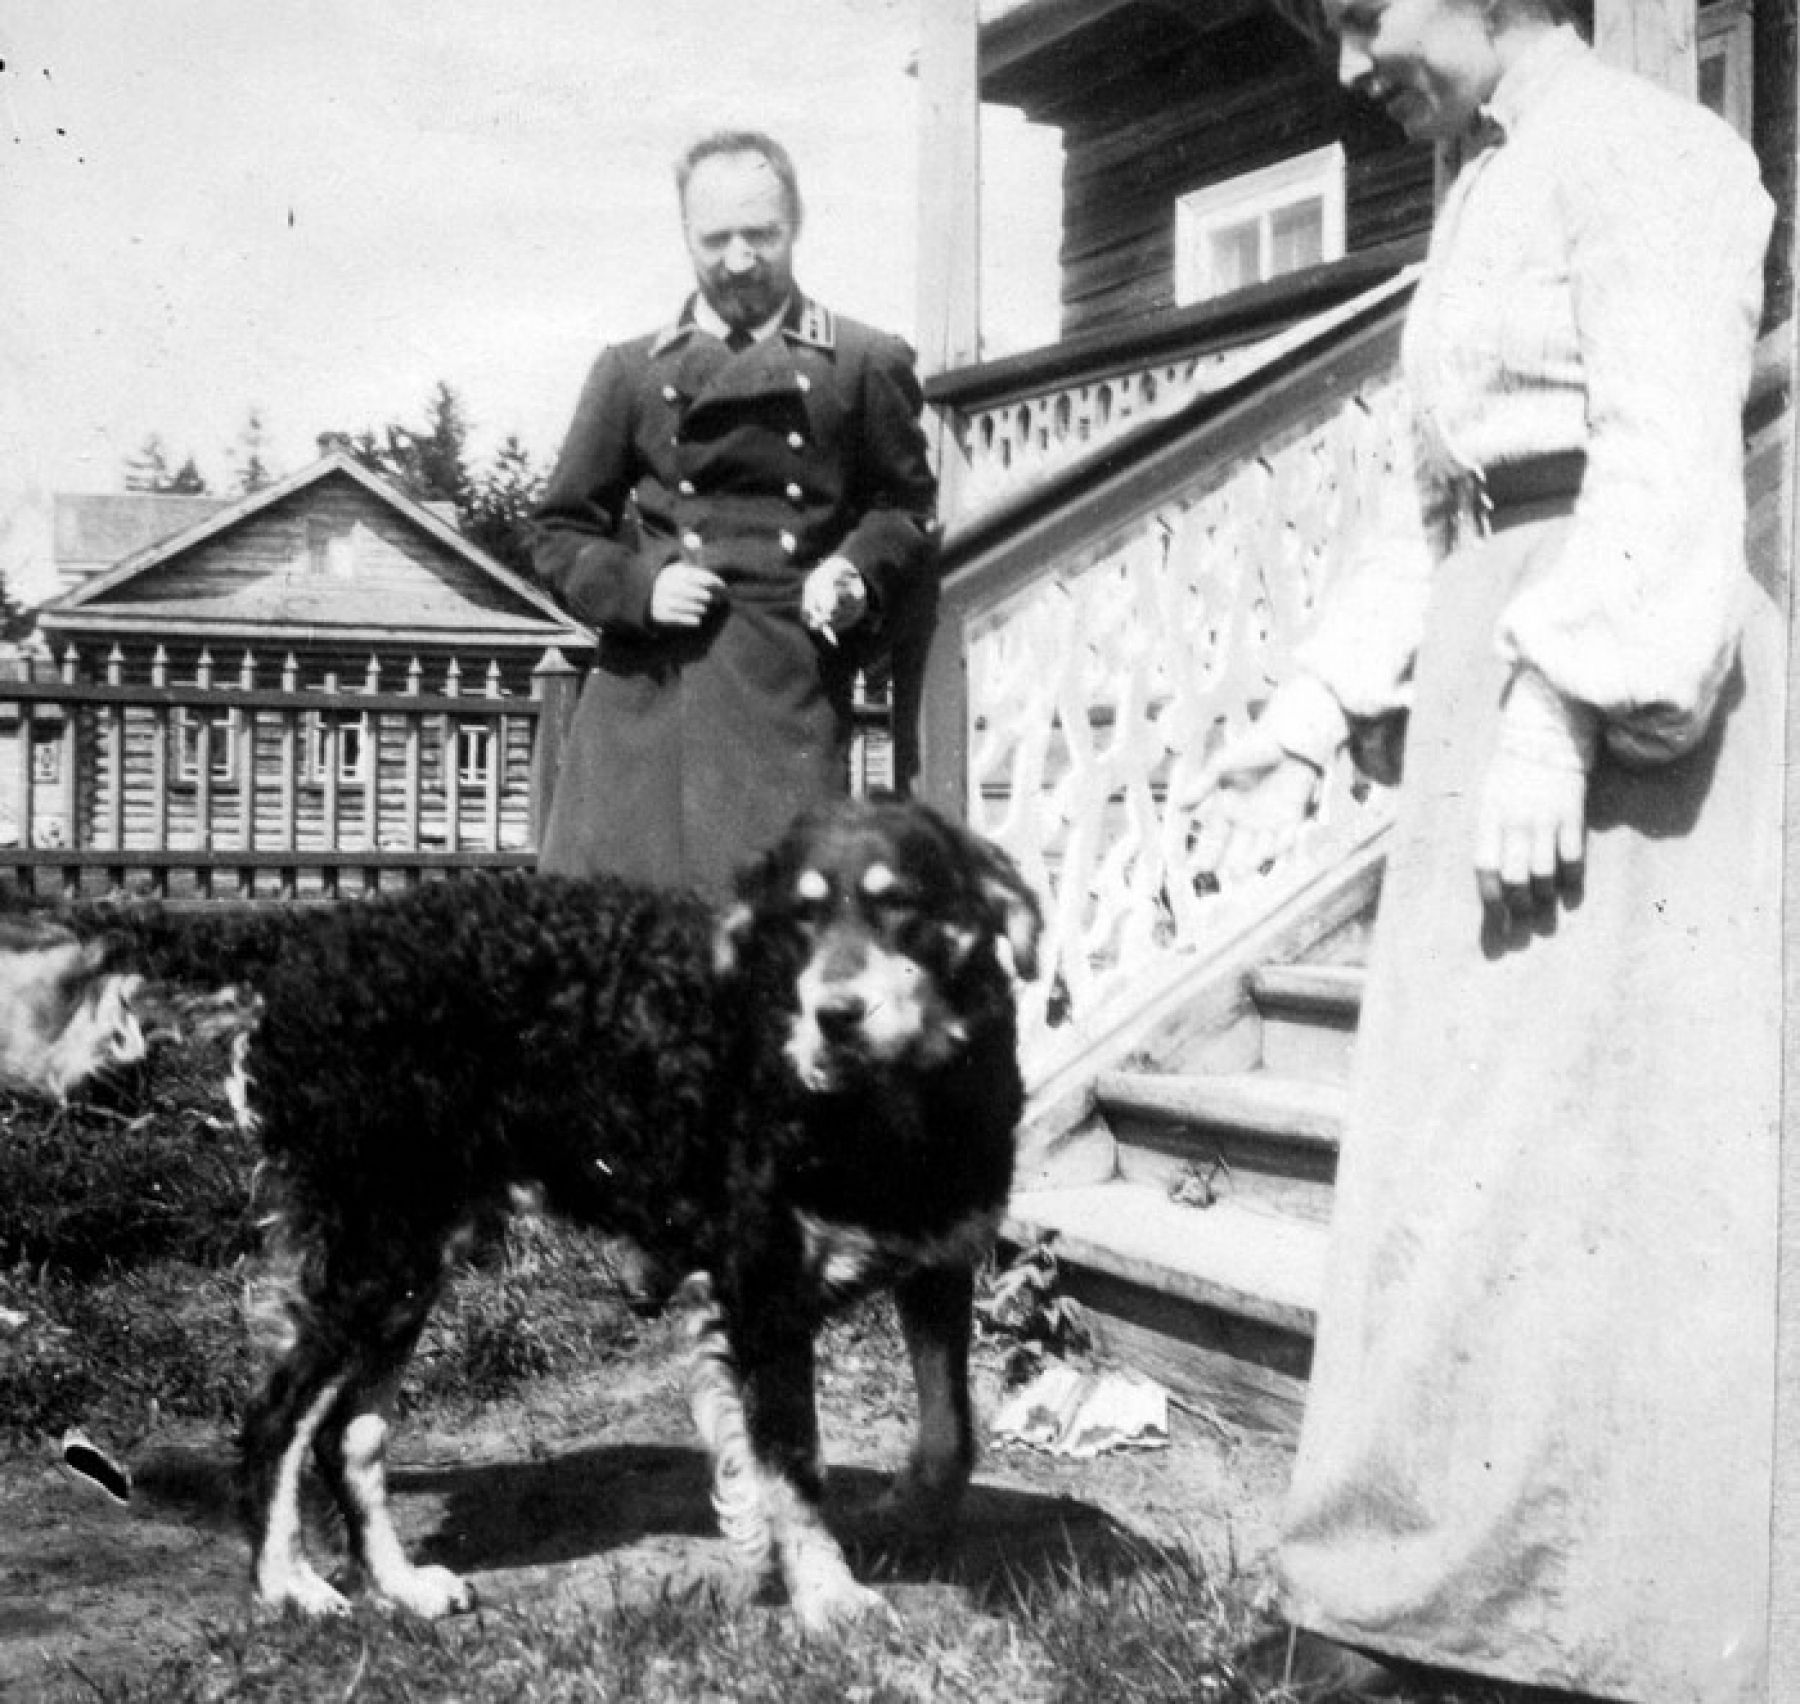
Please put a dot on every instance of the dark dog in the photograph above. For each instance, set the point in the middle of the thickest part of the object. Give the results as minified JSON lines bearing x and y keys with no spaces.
{"x":810,"y":1099}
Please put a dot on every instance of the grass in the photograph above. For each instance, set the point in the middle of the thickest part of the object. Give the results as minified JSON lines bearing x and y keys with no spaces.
{"x":124,"y":1231}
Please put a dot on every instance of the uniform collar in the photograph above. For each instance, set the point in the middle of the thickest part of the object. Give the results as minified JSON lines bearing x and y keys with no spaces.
{"x":1523,"y":85}
{"x":709,"y":319}
{"x":803,"y":320}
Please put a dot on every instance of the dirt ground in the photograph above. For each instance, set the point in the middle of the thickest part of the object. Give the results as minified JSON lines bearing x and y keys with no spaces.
{"x":590,"y":1489}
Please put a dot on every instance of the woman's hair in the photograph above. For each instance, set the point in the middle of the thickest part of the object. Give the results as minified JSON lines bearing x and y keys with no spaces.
{"x":742,"y":142}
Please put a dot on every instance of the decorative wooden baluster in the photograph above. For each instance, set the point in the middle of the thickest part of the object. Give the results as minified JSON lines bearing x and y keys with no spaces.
{"x":164,"y":734}
{"x":452,"y":763}
{"x":114,"y":723}
{"x":244,"y":765}
{"x":369,"y":768}
{"x":329,"y":734}
{"x":415,"y":684}
{"x":289,"y":802}
{"x":494,"y":730}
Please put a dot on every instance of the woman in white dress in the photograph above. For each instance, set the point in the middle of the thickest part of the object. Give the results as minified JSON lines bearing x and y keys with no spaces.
{"x":1538,"y":1437}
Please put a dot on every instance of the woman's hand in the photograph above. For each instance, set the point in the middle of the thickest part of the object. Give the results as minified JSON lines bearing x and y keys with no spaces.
{"x":1530,"y":838}
{"x":1262,"y":796}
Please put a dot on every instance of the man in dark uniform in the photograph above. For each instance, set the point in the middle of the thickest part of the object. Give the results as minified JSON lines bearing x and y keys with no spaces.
{"x":744,"y":509}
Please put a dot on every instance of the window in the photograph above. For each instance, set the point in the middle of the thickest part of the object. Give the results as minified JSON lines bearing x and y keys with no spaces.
{"x":216,"y":732}
{"x":1725,"y":49}
{"x":474,"y":753}
{"x":332,"y":552}
{"x":1250,"y":229}
{"x":46,"y":755}
{"x":328,"y":731}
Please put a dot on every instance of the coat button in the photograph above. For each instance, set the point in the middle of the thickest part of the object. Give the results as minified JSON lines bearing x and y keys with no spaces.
{"x":789,"y":543}
{"x":796,"y":441}
{"x":685,"y":487}
{"x":803,"y":381}
{"x":670,"y":393}
{"x":691,"y":541}
{"x":794,"y":493}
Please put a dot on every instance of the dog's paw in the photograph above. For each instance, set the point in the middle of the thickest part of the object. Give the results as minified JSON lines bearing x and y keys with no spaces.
{"x":430,"y":1592}
{"x":825,"y":1611}
{"x":921,"y":1505}
{"x":304,"y":1592}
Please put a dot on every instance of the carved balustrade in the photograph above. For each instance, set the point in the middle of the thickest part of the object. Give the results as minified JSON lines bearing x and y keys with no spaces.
{"x":1022,"y":439}
{"x":1021,"y":420}
{"x":1089,"y":663}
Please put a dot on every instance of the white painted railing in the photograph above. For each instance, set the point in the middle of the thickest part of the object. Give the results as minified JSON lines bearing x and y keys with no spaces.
{"x":1091,"y":659}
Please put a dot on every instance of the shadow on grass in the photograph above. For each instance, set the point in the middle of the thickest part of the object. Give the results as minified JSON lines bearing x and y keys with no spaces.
{"x":588,"y":1503}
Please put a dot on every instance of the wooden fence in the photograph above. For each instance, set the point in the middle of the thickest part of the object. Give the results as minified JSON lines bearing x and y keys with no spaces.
{"x":220,"y":786}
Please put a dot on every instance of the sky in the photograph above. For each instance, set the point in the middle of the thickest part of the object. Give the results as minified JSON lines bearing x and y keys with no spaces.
{"x":320,"y":208}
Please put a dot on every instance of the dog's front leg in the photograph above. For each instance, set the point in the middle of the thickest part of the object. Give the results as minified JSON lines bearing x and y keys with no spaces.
{"x":359,"y":1474}
{"x":752,"y":1401}
{"x":936,"y":1307}
{"x":716,"y":1399}
{"x":784,"y":1433}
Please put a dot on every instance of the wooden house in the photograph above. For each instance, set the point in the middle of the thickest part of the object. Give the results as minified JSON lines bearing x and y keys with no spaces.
{"x":324,"y":670}
{"x":1143,"y":518}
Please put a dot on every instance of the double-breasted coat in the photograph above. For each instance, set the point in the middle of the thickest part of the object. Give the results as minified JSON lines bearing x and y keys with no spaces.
{"x":692,"y":749}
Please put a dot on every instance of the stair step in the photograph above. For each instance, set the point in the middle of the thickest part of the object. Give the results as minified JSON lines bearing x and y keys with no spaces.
{"x":1255,"y":1121}
{"x":1275,"y":1136}
{"x":1254,"y":1264}
{"x":1216,"y":1302}
{"x":1335,"y":989}
{"x":1255,"y":1102}
{"x":1309,"y":1014}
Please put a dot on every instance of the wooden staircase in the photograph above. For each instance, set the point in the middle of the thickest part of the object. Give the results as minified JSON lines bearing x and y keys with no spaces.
{"x":1201,"y":1259}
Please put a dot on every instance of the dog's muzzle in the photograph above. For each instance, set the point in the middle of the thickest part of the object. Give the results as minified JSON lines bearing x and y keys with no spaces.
{"x":863,"y":1007}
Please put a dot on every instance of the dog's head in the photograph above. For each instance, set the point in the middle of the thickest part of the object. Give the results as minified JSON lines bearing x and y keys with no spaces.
{"x":65,"y":1015}
{"x":897,"y":925}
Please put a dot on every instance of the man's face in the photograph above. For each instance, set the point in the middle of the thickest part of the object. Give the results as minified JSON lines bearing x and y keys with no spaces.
{"x":741,"y":235}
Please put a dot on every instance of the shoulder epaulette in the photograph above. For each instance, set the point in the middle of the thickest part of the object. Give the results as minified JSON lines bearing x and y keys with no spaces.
{"x":815,"y":324}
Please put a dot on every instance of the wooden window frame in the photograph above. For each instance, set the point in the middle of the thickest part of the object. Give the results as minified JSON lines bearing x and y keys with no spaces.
{"x":1727,"y":32}
{"x":312,"y":740}
{"x":184,"y":730}
{"x":474,"y":745}
{"x":1319,"y":174}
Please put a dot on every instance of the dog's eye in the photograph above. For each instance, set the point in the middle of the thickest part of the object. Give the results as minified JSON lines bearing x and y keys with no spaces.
{"x":810,"y":908}
{"x":811,"y":897}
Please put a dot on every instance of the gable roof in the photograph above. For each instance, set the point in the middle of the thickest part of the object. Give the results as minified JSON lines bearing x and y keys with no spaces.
{"x":94,"y":530}
{"x":98,"y":595}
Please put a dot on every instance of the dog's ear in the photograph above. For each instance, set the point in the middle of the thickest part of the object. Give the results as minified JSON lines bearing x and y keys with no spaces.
{"x":1011,"y":907}
{"x":1021,"y":920}
{"x":756,"y":884}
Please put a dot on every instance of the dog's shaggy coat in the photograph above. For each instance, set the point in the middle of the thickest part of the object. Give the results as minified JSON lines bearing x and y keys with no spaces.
{"x":810,"y":1098}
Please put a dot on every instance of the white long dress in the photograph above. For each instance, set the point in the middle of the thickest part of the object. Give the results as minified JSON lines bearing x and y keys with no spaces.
{"x":1537,"y":1443}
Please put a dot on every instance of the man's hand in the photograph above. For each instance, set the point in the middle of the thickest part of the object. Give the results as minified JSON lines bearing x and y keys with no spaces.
{"x":683,"y":593}
{"x":1263,"y":795}
{"x":1530,"y":838}
{"x":834,"y":598}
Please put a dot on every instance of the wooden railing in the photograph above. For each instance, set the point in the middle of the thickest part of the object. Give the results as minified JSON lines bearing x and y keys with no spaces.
{"x":1103,"y":632}
{"x":1021,"y":420}
{"x":225,"y":786}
